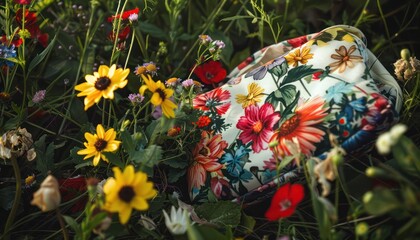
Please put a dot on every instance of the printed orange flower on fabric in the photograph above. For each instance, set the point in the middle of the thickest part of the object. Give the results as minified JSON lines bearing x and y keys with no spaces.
{"x":205,"y":159}
{"x":301,"y":127}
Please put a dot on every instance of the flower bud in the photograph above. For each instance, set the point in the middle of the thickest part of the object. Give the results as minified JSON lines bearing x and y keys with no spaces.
{"x":375,"y":172}
{"x":362,"y":229}
{"x":48,"y":196}
{"x":405,"y":54}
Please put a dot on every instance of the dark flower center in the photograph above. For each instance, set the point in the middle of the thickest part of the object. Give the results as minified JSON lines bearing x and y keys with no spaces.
{"x":289,"y":125}
{"x":161,"y":94}
{"x":209,"y":75}
{"x":102,"y":83}
{"x":126,"y":194}
{"x":100,"y":144}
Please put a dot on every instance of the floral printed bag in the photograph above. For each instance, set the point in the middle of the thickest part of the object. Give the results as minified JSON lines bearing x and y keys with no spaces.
{"x":285,"y":98}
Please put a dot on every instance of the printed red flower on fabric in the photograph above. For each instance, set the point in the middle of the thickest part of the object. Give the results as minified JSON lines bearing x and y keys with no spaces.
{"x":206,"y":155}
{"x":297,"y":42}
{"x":285,"y":201}
{"x":211,"y":72}
{"x":23,"y":2}
{"x":257,"y":125}
{"x":125,"y":14}
{"x":213,"y":101}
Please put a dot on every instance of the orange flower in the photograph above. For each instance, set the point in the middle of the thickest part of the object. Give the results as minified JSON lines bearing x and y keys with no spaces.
{"x":203,"y":121}
{"x":301,"y":127}
{"x":206,"y":155}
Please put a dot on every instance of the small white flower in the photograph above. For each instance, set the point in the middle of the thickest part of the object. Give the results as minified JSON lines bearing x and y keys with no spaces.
{"x":397,"y":131}
{"x":384,"y":143}
{"x":386,"y":140}
{"x":177,"y":222}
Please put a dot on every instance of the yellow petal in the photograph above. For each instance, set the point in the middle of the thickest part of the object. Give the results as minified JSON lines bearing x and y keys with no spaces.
{"x":124,"y":214}
{"x":100,"y":131}
{"x":139,"y":203}
{"x":111,"y":71}
{"x":91,"y":79}
{"x":110,"y":185}
{"x":128,"y":174}
{"x":156,"y":99}
{"x":103,"y":70}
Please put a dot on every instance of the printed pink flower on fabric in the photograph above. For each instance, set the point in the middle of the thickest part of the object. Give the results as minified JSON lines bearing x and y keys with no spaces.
{"x":285,"y":201}
{"x":257,"y":125}
{"x":302,"y":126}
{"x":213,"y":101}
{"x":218,"y":185}
{"x":205,"y":159}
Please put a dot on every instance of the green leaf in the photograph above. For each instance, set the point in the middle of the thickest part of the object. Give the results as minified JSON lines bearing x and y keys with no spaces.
{"x":208,"y":233}
{"x":44,"y":155}
{"x":128,"y":142}
{"x":114,"y":159}
{"x":406,"y":153}
{"x":40,"y":57}
{"x":298,"y":73}
{"x":280,"y":70}
{"x":248,"y":223}
{"x":74,"y":225}
{"x":285,"y":161}
{"x":149,"y":156}
{"x":175,"y":174}
{"x":288,"y":93}
{"x":380,"y":201}
{"x":151,"y":29}
{"x":289,"y":108}
{"x":222,"y":213}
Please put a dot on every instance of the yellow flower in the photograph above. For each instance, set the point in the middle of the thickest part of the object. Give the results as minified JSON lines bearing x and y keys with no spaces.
{"x":160,"y":96}
{"x":100,"y":142}
{"x":127,"y":190}
{"x":255,"y":93}
{"x":48,"y":196}
{"x":296,"y":56}
{"x":102,"y":83}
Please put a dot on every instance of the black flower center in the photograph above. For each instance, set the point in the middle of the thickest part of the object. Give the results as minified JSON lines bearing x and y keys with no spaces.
{"x":102,"y":83}
{"x":161,"y":94}
{"x":209,"y":75}
{"x":126,"y":194}
{"x":100,"y":144}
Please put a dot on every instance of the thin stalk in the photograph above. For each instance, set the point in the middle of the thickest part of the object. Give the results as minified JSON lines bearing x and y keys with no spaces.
{"x":62,"y":225}
{"x":16,"y":201}
{"x":361,"y":14}
{"x":82,"y":57}
{"x":131,"y":47}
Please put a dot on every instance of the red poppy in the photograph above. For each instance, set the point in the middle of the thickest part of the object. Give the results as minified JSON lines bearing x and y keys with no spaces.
{"x":125,"y":14}
{"x":297,"y":42}
{"x":211,"y":72}
{"x":285,"y":201}
{"x":31,"y":26}
{"x":17,"y":41}
{"x":71,"y":188}
{"x":122,"y":35}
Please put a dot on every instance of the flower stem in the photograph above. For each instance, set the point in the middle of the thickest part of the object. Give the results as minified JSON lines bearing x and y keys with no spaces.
{"x":16,"y":201}
{"x":62,"y":225}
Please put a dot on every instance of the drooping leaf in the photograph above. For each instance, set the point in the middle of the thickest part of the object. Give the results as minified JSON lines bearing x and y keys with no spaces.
{"x":40,"y":57}
{"x":288,"y":93}
{"x":222,"y":213}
